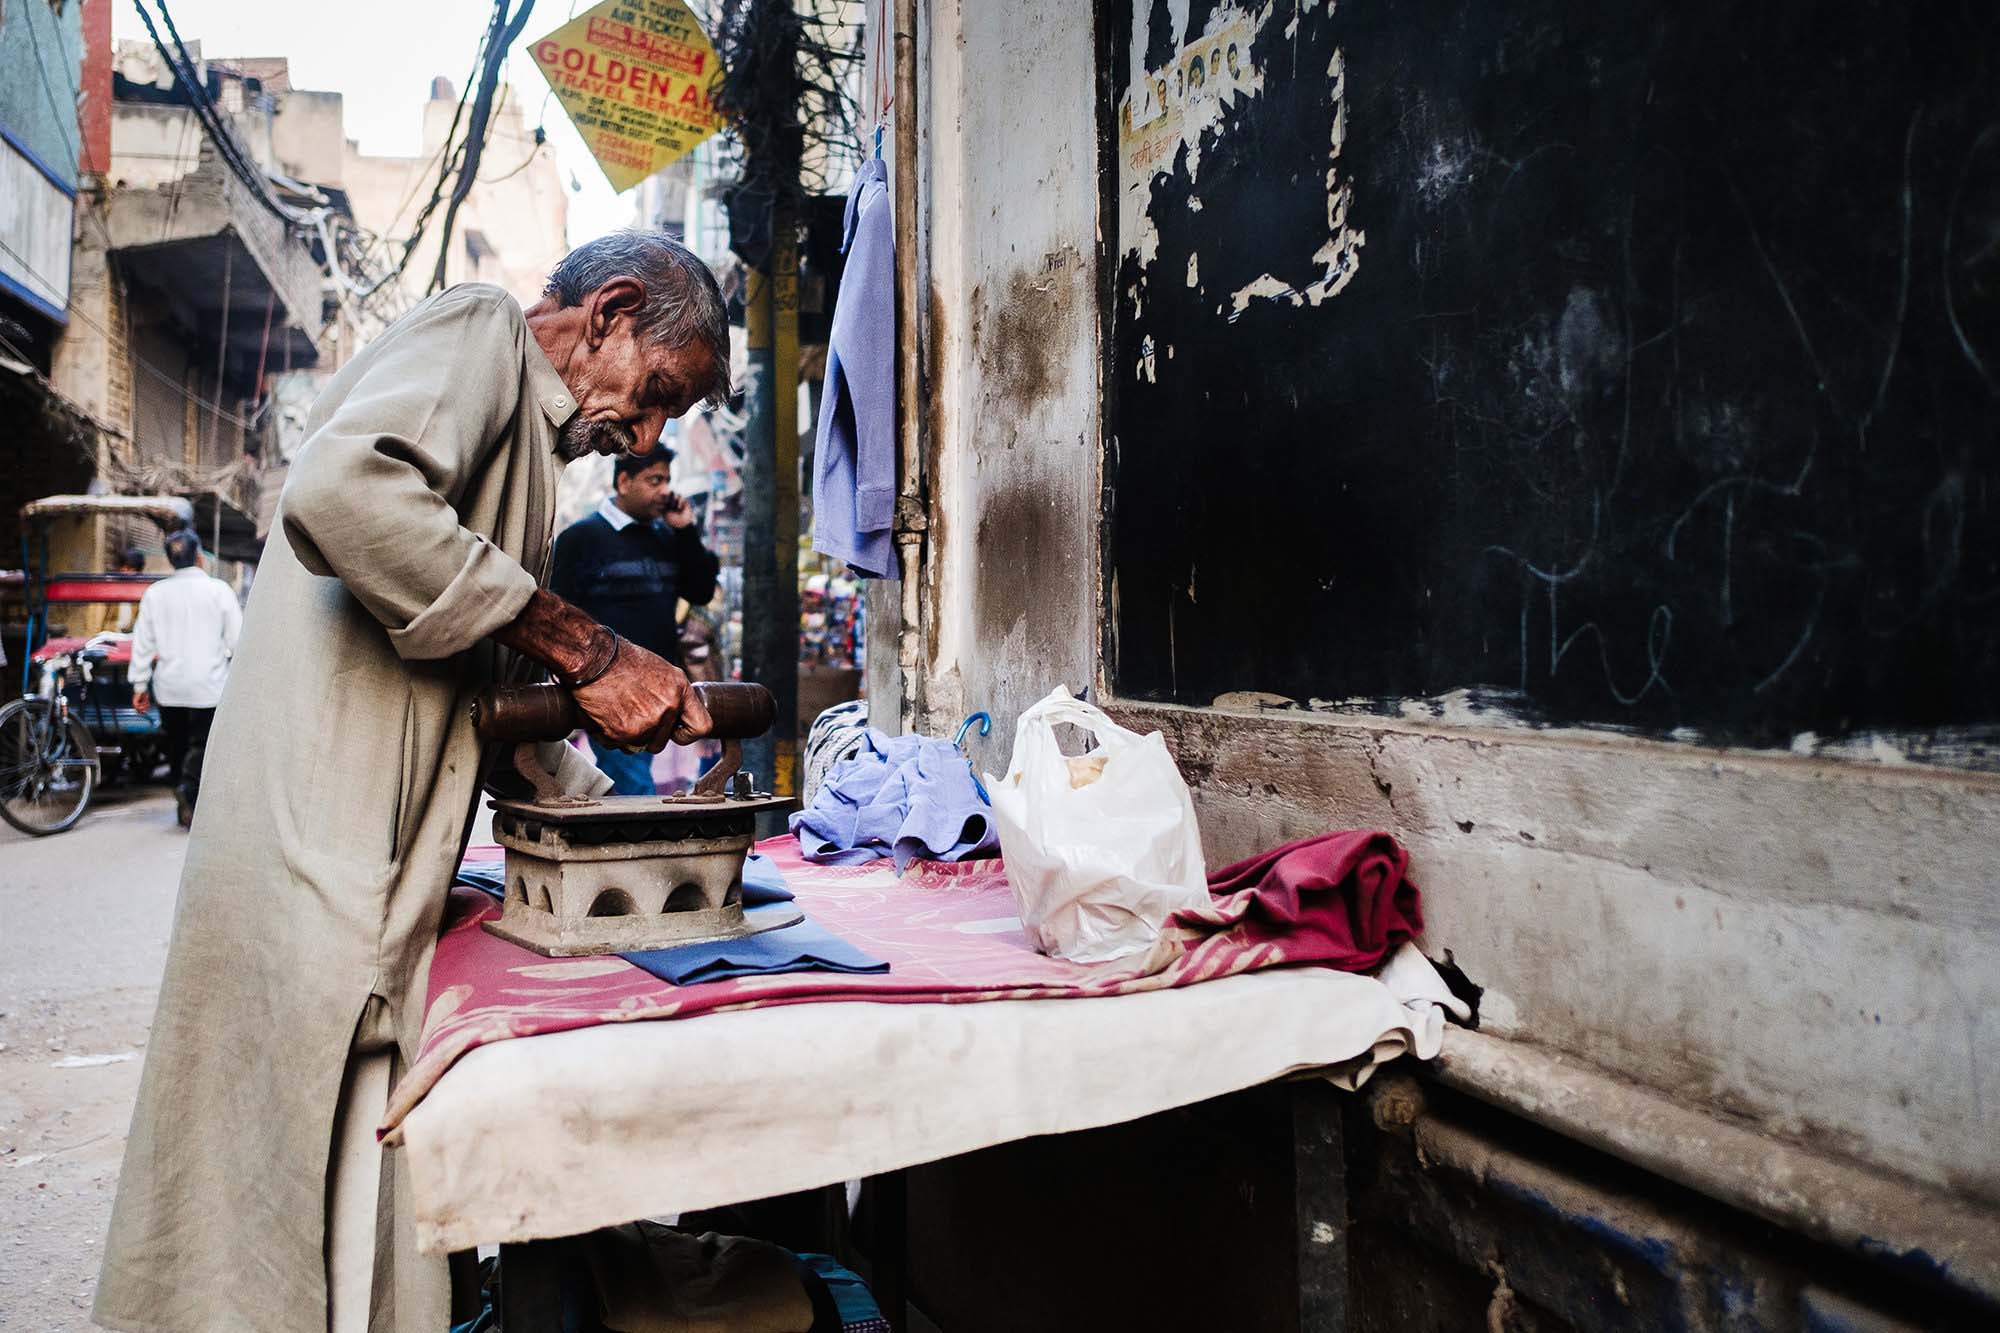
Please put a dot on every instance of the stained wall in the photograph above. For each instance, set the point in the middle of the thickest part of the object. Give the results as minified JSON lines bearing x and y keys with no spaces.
{"x":1785,"y":926}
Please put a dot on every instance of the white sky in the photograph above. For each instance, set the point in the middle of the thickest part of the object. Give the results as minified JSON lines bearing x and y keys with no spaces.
{"x":382,"y":55}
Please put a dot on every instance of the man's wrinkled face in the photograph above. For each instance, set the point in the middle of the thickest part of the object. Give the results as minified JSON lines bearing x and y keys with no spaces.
{"x":644,"y":494}
{"x":627,"y":388}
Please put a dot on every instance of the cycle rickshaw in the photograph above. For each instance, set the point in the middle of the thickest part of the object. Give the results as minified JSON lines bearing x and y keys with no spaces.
{"x":74,"y":725}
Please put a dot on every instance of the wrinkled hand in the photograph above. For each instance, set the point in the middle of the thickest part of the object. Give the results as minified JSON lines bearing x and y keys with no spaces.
{"x":679,"y":512}
{"x":643,"y":702}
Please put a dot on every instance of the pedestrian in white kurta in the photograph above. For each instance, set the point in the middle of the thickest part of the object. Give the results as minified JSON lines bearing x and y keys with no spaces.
{"x":344,"y":771}
{"x":181,"y":645}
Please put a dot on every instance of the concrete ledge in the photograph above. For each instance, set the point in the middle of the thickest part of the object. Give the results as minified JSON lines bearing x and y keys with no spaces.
{"x":1916,"y":1231}
{"x":1809,"y":946}
{"x":175,"y":239}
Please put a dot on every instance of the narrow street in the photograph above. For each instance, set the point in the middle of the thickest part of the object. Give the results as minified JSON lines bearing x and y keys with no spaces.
{"x":1359,"y":646}
{"x":86,"y":916}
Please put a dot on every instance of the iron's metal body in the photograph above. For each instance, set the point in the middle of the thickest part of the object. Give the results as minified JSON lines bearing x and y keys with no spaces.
{"x":621,"y":874}
{"x":626,"y":873}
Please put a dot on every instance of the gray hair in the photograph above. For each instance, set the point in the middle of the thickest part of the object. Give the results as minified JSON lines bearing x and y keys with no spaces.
{"x":683,"y":303}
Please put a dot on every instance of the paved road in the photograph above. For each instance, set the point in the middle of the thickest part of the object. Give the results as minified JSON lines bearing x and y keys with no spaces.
{"x":84,"y":918}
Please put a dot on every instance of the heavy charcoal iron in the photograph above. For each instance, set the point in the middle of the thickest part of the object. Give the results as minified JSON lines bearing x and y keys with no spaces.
{"x":617,"y":874}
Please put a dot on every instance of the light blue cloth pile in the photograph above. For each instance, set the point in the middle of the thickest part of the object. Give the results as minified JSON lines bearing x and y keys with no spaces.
{"x":907,"y":797}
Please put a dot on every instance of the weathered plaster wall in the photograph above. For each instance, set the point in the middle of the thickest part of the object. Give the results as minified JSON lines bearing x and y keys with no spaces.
{"x":1483,"y":1222}
{"x":308,"y":135}
{"x":210,"y":202}
{"x":90,"y":364}
{"x":153,"y":145}
{"x":1010,"y":204}
{"x":41,"y":51}
{"x":1808,"y":945}
{"x":159,"y":406}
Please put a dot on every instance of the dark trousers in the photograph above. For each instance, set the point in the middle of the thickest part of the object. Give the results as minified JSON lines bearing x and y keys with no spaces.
{"x":187,"y":742}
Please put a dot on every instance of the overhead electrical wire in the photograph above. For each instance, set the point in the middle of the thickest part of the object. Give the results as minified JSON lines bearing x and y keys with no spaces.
{"x":788,"y":90}
{"x":383,"y":239}
{"x":180,"y":181}
{"x":456,"y":156}
{"x":500,"y":36}
{"x":233,"y":157}
{"x":526,"y":162}
{"x":452,"y":155}
{"x":214,"y":407}
{"x":463,"y":158}
{"x":319,"y":222}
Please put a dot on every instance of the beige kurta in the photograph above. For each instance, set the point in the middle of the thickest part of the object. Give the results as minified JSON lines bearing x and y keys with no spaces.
{"x":340,"y":777}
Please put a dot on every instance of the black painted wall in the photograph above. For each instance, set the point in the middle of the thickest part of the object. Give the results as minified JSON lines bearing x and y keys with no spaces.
{"x":1666,"y":393}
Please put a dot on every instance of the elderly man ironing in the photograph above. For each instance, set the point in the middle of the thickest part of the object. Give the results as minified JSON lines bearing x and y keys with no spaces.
{"x":402,"y":576}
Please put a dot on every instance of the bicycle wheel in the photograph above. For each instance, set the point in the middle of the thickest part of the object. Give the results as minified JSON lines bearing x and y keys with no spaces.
{"x":46,"y":772}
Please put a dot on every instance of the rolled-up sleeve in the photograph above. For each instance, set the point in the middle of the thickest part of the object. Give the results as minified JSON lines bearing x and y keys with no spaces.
{"x":370,"y":498}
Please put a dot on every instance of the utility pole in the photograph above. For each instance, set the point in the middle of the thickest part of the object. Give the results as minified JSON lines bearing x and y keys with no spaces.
{"x":771,"y":456}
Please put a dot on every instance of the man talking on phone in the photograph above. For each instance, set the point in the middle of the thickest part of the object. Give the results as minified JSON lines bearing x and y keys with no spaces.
{"x":627,"y":565}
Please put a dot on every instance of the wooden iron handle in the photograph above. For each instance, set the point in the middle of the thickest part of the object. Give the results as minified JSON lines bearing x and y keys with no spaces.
{"x":739,"y":710}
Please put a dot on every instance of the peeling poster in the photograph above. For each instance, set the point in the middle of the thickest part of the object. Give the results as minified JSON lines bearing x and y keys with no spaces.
{"x":1173,"y":107}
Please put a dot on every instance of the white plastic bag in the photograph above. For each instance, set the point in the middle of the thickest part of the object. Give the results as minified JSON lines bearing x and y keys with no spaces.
{"x":1102,"y":848}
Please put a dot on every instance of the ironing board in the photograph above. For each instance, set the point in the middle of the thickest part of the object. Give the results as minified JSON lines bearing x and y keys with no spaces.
{"x":608,"y":1123}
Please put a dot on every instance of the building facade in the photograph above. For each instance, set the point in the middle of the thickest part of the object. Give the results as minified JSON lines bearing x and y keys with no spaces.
{"x":511,"y":229}
{"x":1471,"y":424}
{"x":192,"y":291}
{"x":172,"y":301}
{"x":43,"y":163}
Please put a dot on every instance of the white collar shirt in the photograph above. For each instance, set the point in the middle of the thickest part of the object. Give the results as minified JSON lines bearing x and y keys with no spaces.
{"x":608,"y":510}
{"x":186,"y":634}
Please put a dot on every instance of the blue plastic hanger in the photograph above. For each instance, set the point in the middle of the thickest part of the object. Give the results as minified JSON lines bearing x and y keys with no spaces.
{"x":985,"y":721}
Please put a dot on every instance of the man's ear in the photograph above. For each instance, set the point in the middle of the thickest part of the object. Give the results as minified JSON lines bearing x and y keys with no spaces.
{"x":616,"y":298}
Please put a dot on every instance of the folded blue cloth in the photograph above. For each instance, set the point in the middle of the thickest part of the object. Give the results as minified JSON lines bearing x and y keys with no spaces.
{"x":486,"y":876}
{"x":762,"y":883}
{"x":804,"y":947}
{"x":910,"y":797}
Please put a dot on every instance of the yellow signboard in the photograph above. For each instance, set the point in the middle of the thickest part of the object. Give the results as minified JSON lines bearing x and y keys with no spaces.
{"x":638,"y":78}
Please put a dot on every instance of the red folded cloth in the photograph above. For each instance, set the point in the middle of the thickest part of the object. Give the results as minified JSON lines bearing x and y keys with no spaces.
{"x":1342,"y":899}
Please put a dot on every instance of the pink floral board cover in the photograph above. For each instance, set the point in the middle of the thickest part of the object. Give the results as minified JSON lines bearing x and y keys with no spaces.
{"x":948,"y":932}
